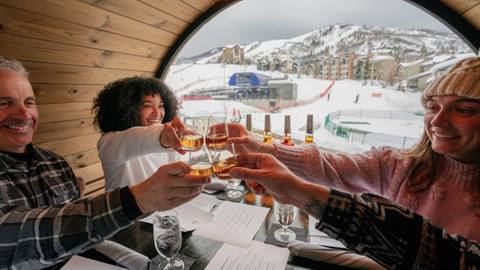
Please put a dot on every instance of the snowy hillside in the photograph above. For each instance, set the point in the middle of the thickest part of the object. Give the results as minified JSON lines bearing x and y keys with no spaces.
{"x":407,"y":44}
{"x":370,"y":111}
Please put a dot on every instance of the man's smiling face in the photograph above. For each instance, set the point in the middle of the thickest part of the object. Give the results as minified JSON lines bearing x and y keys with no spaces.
{"x":18,"y":112}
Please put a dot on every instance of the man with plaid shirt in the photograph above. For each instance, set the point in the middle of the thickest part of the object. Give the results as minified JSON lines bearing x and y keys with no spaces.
{"x":43,"y":220}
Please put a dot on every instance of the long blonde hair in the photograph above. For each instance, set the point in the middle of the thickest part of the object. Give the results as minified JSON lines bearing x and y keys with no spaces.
{"x":463,"y":80}
{"x":426,"y":164}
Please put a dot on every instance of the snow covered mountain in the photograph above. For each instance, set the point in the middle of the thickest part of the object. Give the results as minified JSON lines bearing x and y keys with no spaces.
{"x":406,"y":44}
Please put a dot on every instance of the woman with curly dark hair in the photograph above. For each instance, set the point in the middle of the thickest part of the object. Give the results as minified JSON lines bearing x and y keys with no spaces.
{"x":131,"y":114}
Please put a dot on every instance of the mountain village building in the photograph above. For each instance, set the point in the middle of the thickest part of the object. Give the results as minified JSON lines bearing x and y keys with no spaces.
{"x":233,"y":55}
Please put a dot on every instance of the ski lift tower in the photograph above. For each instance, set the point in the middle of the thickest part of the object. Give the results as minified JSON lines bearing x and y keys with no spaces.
{"x":224,"y":75}
{"x":298,"y":68}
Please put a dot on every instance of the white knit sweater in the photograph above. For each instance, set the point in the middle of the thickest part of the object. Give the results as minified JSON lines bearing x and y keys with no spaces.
{"x":132,"y":155}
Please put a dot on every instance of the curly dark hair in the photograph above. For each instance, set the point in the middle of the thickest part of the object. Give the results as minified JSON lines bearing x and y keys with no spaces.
{"x":117,"y":106}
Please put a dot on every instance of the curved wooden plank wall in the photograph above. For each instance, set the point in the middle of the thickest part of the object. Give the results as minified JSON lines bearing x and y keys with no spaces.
{"x":73,"y":47}
{"x":468,"y":9}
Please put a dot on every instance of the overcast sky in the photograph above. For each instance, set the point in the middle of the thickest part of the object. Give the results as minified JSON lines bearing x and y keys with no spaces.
{"x":252,"y":20}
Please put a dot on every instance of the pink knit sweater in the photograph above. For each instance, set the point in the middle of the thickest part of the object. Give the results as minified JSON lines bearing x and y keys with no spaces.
{"x":452,"y":201}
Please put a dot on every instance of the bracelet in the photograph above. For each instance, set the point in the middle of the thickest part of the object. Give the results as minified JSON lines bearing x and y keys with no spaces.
{"x":166,"y":147}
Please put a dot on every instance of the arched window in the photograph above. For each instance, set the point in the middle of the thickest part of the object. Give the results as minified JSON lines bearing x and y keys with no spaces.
{"x":358,"y":67}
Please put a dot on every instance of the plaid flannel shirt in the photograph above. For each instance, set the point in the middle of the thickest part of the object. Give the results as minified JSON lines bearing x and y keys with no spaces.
{"x":42,"y":219}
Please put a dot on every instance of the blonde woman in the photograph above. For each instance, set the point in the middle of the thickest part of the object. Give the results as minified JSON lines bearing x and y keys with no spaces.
{"x":438,"y":178}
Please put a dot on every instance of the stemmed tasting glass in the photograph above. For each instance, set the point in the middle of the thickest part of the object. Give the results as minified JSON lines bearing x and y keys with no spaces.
{"x":193,"y":141}
{"x":285,"y":215}
{"x":223,"y":161}
{"x":193,"y":136}
{"x":201,"y":162}
{"x":217,"y":134}
{"x":168,"y":238}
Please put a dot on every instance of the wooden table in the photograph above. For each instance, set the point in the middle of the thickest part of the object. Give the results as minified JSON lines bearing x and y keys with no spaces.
{"x":139,"y":237}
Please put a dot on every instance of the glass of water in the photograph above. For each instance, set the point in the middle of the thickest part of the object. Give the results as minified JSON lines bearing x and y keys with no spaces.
{"x":285,"y":215}
{"x":168,"y":238}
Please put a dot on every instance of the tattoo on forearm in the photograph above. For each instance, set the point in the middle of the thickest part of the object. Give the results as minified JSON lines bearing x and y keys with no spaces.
{"x":315,"y":208}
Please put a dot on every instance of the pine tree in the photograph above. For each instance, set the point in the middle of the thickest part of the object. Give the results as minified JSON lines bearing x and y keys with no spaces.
{"x":367,"y":70}
{"x":358,"y":71}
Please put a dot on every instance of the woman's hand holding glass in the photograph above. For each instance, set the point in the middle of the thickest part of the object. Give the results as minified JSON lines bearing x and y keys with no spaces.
{"x":217,"y":134}
{"x":265,"y":169}
{"x":223,"y":162}
{"x":169,"y":137}
{"x":244,"y":143}
{"x":192,"y":136}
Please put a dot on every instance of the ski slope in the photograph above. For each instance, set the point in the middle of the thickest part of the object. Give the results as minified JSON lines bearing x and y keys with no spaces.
{"x":185,"y":78}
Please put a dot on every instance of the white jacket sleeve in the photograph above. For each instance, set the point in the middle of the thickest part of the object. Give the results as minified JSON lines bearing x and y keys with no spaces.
{"x":120,"y":146}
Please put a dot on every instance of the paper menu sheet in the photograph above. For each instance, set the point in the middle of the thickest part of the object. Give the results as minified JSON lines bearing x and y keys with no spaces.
{"x":257,"y":256}
{"x":194,"y":213}
{"x":80,"y":263}
{"x":204,"y":202}
{"x":320,"y":238}
{"x":234,"y":223}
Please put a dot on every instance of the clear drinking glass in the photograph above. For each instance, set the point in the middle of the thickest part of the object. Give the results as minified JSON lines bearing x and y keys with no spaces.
{"x":223,"y":161}
{"x":168,"y":238}
{"x":285,"y":215}
{"x":193,"y":137}
{"x":200,"y":162}
{"x":217,"y":133}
